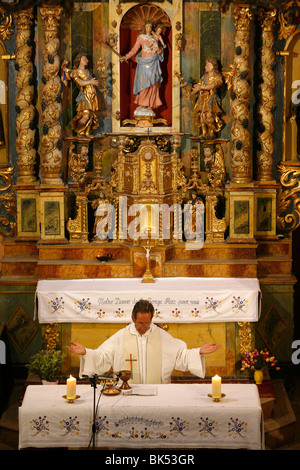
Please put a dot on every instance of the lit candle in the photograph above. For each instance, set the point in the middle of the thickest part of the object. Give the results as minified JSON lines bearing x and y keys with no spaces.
{"x":71,"y":388}
{"x":216,"y":387}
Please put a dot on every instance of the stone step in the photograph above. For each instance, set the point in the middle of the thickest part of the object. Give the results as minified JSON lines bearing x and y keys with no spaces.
{"x":212,"y":251}
{"x":274,"y":264}
{"x":82,"y":269}
{"x":19,"y":265}
{"x":211,"y":268}
{"x":81,"y":251}
{"x":13,"y":247}
{"x":279,"y":247}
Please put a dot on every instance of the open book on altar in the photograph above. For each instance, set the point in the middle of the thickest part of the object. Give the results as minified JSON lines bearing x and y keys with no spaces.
{"x":142,"y":390}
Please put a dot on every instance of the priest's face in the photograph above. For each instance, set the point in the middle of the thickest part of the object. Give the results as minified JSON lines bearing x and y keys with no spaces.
{"x":142,"y":322}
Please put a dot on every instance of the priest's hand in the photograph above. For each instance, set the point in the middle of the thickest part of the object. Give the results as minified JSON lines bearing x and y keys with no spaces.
{"x":209,"y":348}
{"x":76,"y":348}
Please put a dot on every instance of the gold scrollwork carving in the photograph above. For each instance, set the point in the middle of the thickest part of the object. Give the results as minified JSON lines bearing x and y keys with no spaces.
{"x":288,"y":201}
{"x":5,"y":25}
{"x":245,"y":336}
{"x":51,"y":336}
{"x":8,"y":225}
{"x":287,"y":26}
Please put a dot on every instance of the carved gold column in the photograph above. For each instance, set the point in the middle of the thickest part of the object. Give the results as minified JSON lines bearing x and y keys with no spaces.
{"x":267,"y":98}
{"x":26,"y":112}
{"x":51,"y":108}
{"x":241,"y":157}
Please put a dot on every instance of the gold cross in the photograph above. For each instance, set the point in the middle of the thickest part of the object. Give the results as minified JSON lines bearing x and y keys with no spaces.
{"x":131,"y":360}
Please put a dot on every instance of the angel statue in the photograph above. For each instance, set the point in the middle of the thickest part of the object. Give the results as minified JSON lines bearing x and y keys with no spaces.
{"x":208,"y":103}
{"x":87,"y":105}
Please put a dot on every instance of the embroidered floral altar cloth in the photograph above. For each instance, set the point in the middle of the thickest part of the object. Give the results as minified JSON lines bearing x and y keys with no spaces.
{"x":177,"y":416}
{"x":177,"y":300}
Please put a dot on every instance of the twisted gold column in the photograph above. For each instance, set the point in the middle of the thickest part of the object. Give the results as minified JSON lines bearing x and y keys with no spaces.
{"x":51,"y":143}
{"x":26,"y":112}
{"x":267,"y":98}
{"x":241,"y":158}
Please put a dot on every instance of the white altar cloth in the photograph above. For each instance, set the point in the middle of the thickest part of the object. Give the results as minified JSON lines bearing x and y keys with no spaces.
{"x":178,"y":416}
{"x":175,"y":300}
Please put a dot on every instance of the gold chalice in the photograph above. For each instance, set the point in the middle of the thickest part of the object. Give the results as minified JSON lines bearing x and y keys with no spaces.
{"x":126,"y":375}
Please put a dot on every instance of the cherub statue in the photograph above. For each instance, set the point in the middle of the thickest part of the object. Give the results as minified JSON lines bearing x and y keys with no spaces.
{"x":208,"y":103}
{"x":157,"y":35}
{"x":77,"y":164}
{"x":86,"y":119}
{"x":214,"y":165}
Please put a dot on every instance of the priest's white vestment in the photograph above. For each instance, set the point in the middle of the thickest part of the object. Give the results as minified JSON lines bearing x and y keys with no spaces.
{"x":151,"y":357}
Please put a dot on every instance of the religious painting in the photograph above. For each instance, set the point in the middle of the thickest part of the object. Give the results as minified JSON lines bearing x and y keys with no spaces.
{"x":272,"y":329}
{"x":21,"y":328}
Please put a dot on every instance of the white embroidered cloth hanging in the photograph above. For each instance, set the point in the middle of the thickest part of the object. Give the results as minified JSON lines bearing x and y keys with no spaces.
{"x":175,"y":300}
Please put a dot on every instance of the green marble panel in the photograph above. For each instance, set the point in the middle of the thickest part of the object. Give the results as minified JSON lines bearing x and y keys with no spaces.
{"x":28,"y":215}
{"x":52,"y":218}
{"x":241,"y":217}
{"x":264,"y":214}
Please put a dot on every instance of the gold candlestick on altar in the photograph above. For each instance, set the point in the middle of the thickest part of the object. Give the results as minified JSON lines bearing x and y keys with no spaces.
{"x":147,"y":277}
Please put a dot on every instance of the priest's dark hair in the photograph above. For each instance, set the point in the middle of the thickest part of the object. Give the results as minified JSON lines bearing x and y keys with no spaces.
{"x":142,"y":306}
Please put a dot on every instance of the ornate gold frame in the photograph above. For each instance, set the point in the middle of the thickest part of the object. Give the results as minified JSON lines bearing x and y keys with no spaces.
{"x":286,"y":54}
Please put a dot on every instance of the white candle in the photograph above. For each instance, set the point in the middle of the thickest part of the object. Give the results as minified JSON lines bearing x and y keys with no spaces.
{"x":71,"y":388}
{"x":216,"y":386}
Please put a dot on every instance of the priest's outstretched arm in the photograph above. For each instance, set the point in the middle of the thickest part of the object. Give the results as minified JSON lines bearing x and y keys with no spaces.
{"x":209,"y":348}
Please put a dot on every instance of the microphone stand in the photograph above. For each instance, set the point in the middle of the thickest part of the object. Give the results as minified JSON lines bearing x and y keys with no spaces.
{"x":94,"y":385}
{"x":94,"y":380}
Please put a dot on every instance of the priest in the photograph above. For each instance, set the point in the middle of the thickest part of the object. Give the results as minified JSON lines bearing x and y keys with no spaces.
{"x":142,"y":347}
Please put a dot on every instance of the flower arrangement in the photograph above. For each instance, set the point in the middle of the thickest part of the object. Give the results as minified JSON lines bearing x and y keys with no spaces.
{"x":256,"y":360}
{"x":47,"y":364}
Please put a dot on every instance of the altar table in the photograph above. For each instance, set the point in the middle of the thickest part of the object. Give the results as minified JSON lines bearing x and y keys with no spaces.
{"x":175,"y":300}
{"x":177,"y":416}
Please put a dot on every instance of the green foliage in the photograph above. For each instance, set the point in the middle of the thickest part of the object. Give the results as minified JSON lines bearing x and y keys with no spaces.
{"x":46,"y":364}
